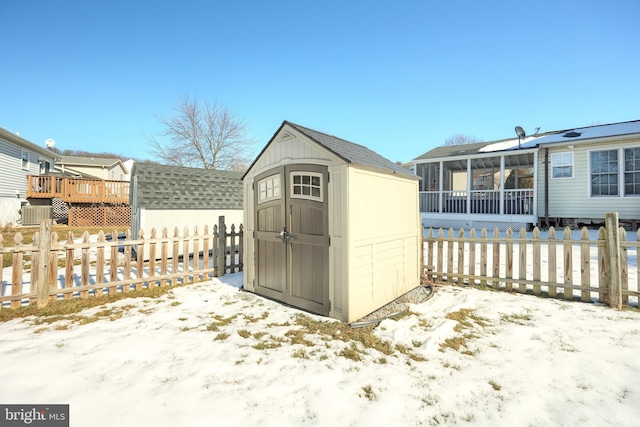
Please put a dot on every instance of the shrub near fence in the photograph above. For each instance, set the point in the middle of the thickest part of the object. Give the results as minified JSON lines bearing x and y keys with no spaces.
{"x":603,"y":270}
{"x":110,"y":263}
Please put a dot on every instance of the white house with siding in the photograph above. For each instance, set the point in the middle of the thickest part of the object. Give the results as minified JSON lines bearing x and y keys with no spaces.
{"x":18,"y":159}
{"x":566,"y":177}
{"x":585,"y":172}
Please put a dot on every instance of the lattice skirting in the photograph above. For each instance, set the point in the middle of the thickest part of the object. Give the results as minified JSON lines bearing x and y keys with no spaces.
{"x":100,"y":216}
{"x":60,"y":208}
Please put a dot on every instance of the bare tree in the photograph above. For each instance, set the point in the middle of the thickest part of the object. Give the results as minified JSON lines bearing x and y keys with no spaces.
{"x":203,"y":135}
{"x":460,"y":139}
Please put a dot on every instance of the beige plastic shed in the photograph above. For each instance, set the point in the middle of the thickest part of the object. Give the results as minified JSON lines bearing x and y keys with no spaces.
{"x":330,"y":226}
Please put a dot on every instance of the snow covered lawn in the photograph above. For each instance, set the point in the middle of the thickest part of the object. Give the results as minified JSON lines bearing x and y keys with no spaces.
{"x":208,"y":354}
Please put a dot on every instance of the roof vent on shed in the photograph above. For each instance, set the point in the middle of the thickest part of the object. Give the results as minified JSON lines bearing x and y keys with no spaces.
{"x":286,"y":135}
{"x":572,"y":134}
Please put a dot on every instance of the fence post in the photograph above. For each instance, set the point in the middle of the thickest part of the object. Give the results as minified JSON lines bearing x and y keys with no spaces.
{"x":222,"y":247}
{"x":613,"y":254}
{"x":44,"y":250}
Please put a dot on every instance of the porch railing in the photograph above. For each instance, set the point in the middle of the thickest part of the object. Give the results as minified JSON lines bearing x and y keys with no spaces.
{"x":509,"y":202}
{"x":77,"y":190}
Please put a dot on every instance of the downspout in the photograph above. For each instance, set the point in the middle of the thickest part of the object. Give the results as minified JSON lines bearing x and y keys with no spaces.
{"x":502,"y":210}
{"x":546,"y":187}
{"x":469,"y":187}
{"x":440,"y":186}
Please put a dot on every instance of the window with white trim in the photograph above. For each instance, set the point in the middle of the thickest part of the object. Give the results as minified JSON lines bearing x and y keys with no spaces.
{"x":632,"y":171}
{"x":562,"y":165}
{"x":269,"y":188}
{"x":306,"y":185}
{"x":604,"y":173}
{"x":45,"y":166}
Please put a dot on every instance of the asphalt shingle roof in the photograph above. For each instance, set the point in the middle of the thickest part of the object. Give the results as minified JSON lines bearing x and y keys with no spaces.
{"x":353,"y":153}
{"x":453,"y":150}
{"x":87,"y":160}
{"x":175,"y":187}
{"x":350,"y":152}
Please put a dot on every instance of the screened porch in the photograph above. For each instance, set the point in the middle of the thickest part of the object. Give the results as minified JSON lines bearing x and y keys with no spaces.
{"x":491,"y":186}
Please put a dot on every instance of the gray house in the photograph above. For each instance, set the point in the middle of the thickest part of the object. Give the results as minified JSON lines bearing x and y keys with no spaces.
{"x":172,"y":196}
{"x":19,"y":158}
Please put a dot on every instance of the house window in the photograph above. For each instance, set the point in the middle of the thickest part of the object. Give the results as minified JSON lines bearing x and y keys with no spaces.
{"x":306,"y":185}
{"x":604,"y":173}
{"x":562,"y":165}
{"x":269,"y":188}
{"x":632,"y":171}
{"x":45,"y":167}
{"x":25,"y":159}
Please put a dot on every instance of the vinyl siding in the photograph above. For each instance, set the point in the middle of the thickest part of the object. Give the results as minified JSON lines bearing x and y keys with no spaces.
{"x":570,"y":197}
{"x":12,"y":176}
{"x":385,"y":234}
{"x":281,"y":150}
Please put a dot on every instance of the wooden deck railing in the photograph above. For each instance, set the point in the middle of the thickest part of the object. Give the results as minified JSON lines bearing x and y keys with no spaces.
{"x":78,"y":190}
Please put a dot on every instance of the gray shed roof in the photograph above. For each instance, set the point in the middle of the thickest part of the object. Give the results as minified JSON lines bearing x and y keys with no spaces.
{"x":350,"y":152}
{"x":175,"y":187}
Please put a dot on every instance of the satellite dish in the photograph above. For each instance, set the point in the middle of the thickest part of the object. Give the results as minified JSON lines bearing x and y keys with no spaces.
{"x":49,"y":143}
{"x":521,"y":134}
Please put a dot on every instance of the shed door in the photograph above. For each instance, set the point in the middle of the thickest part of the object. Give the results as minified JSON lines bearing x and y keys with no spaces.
{"x":292,"y":238}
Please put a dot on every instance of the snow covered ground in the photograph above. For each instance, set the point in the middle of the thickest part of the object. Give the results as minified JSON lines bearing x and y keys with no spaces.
{"x":209,"y":354}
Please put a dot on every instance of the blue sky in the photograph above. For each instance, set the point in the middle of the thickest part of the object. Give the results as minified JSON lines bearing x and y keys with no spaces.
{"x":397,"y":76}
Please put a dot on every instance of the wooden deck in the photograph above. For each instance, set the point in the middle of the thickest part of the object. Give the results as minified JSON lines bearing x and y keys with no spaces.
{"x":78,"y":190}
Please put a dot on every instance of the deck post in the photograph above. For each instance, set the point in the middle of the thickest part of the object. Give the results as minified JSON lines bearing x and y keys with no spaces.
{"x":614,"y":278}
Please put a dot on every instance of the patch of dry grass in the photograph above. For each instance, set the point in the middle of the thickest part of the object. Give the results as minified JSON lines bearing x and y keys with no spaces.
{"x":518,"y":319}
{"x":75,"y":305}
{"x":467,"y":321}
{"x":369,"y":393}
{"x":358,"y":338}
